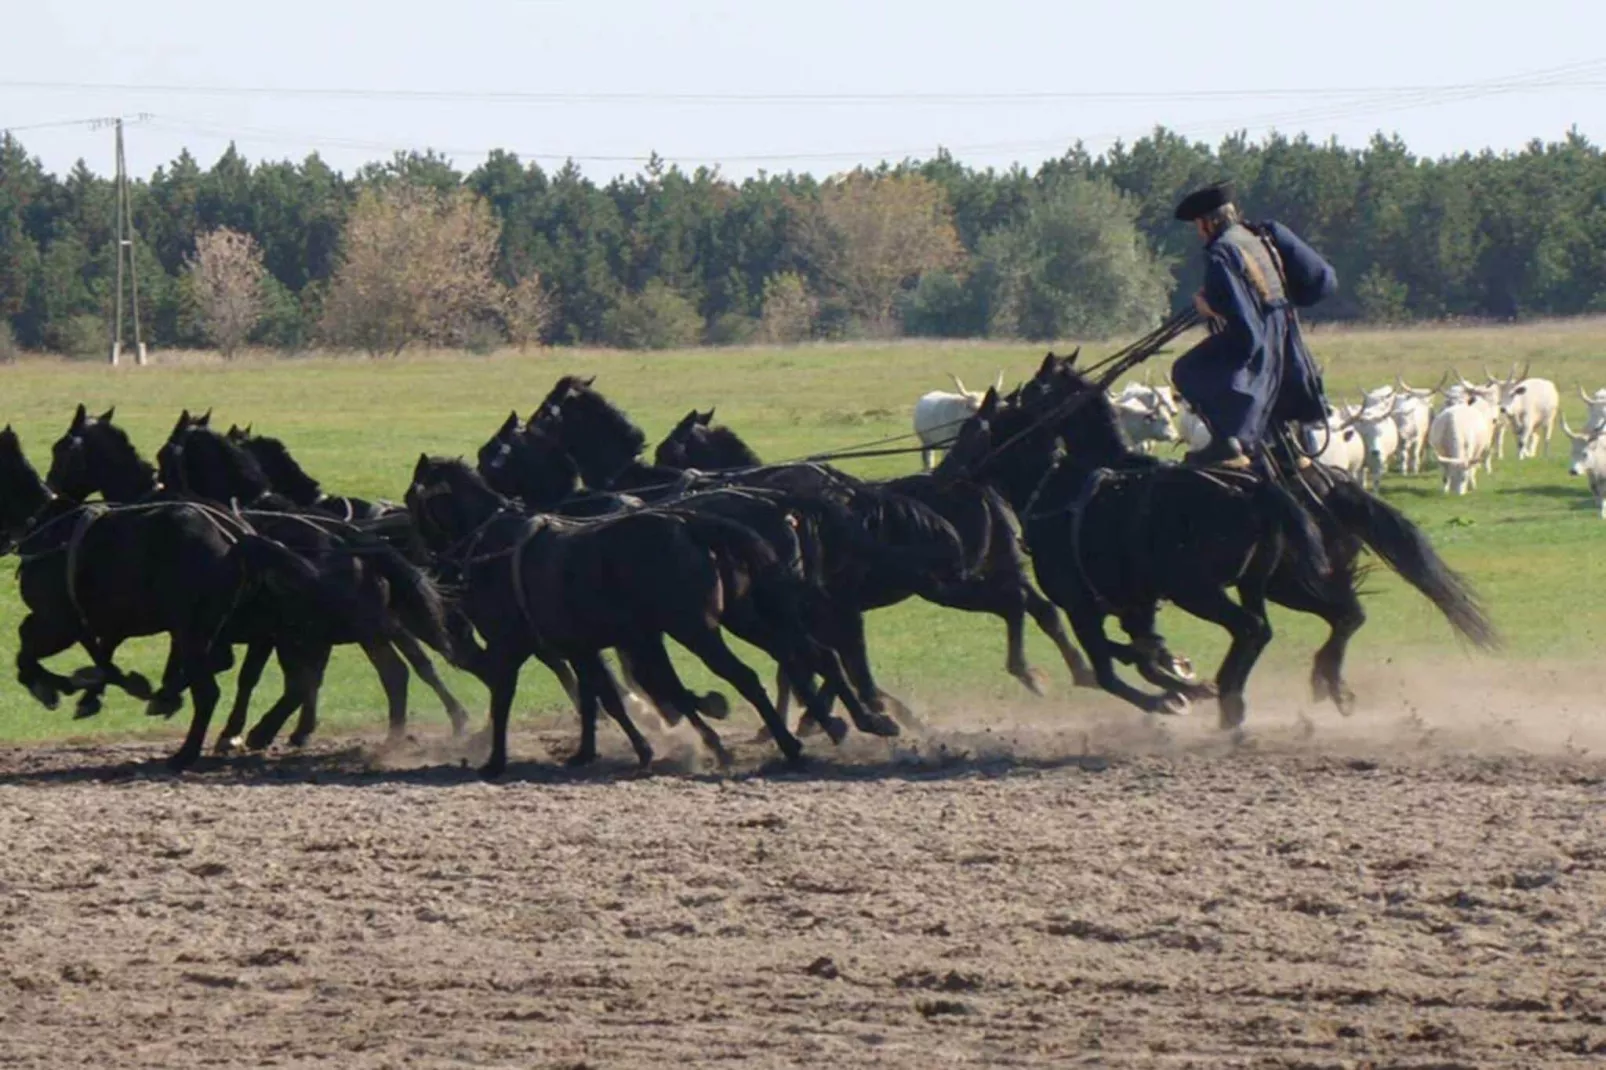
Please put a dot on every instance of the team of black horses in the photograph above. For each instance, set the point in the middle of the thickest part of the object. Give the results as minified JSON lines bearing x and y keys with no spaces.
{"x":562,"y":543}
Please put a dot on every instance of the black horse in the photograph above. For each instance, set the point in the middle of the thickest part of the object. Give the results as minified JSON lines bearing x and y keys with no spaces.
{"x":529,"y":463}
{"x":287,"y":478}
{"x":997,"y":582}
{"x":1116,"y":531}
{"x":697,"y":442}
{"x":894,"y":545}
{"x":1350,"y":521}
{"x":400,"y":603}
{"x":574,"y":588}
{"x":99,"y":574}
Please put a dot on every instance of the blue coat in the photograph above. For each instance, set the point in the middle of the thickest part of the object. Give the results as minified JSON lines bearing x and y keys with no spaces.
{"x":1254,"y":370}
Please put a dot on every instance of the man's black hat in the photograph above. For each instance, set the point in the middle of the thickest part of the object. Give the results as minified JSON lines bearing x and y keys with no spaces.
{"x":1202,"y":202}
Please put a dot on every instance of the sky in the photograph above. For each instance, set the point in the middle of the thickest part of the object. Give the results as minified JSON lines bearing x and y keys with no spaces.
{"x":749,"y":85}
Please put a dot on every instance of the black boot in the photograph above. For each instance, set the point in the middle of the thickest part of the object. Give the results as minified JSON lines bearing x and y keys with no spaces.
{"x":1220,"y":453}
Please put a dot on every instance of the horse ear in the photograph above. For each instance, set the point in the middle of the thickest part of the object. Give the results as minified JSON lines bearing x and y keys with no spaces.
{"x":81,"y":415}
{"x":205,"y":420}
{"x":588,"y":382}
{"x":1070,"y":361}
{"x":106,"y":417}
{"x":183,"y":421}
{"x":989,"y":403}
{"x":423,"y":462}
{"x":706,"y":418}
{"x":509,"y":425}
{"x":1047,"y":367}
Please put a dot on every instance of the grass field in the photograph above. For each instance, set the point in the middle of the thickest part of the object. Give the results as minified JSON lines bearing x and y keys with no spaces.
{"x":1529,"y":536}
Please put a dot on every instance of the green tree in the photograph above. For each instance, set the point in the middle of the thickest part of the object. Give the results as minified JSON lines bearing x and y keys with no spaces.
{"x":1073,"y":266}
{"x":655,"y":318}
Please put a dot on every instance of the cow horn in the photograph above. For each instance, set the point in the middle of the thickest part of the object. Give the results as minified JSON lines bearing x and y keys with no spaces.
{"x":1490,"y":376}
{"x":1570,"y":433}
{"x":1445,"y":378}
{"x":959,"y":384}
{"x":998,"y":383}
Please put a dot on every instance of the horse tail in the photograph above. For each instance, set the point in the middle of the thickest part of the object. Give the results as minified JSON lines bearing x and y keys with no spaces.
{"x":416,"y":600}
{"x":1406,"y":550}
{"x":904,"y":533}
{"x":287,"y":574}
{"x":1306,"y":546}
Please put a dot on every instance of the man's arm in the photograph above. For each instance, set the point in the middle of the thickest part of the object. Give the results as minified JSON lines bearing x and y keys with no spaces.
{"x":1310,"y":277}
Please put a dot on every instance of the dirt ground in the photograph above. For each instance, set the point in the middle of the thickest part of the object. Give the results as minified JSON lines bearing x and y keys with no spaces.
{"x":1421,"y":886}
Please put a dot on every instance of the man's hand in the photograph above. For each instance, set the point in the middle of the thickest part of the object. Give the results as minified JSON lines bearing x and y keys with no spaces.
{"x":1203,"y":307}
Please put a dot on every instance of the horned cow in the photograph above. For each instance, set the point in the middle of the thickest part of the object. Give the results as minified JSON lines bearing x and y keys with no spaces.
{"x":939,"y":413}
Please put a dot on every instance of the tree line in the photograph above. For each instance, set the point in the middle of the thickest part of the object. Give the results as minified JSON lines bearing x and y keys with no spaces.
{"x":292,"y":255}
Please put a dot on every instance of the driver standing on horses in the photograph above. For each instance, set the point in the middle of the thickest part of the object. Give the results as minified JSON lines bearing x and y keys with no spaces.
{"x":1254,"y":371}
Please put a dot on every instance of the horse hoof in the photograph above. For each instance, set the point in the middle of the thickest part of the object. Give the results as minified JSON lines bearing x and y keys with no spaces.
{"x":807,"y":727}
{"x":492,"y":770}
{"x":1036,"y":682}
{"x":299,"y":739}
{"x":879,"y":724}
{"x":714,"y":706}
{"x":86,"y":677}
{"x":164,"y":705}
{"x":47,"y":696}
{"x":1232,"y":714}
{"x":1179,"y":666}
{"x":257,"y":742}
{"x":1175,"y":704}
{"x":1344,"y":699}
{"x":180,"y":761}
{"x":644,"y":757}
{"x":138,"y":686}
{"x":227,"y":746}
{"x":88,"y":706}
{"x":580,"y":758}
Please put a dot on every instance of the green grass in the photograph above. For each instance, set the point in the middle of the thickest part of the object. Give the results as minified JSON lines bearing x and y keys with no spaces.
{"x":1529,"y":536}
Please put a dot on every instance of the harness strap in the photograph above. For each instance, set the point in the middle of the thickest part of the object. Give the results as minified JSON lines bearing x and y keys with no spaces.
{"x":1078,"y":510}
{"x":86,"y":519}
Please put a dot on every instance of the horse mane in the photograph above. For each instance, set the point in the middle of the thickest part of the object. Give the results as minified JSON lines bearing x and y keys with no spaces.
{"x":124,"y":451}
{"x":729,"y":443}
{"x":460,"y":473}
{"x":240,"y":467}
{"x":595,"y":414}
{"x":284,"y":474}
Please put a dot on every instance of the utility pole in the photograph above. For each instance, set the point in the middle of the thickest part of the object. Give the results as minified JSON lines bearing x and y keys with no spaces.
{"x":125,"y":249}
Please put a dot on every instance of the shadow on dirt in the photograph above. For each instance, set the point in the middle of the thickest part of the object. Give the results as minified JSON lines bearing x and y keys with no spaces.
{"x":361,"y":765}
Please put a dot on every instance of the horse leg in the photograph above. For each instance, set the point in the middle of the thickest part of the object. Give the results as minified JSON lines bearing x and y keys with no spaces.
{"x":1047,"y":618}
{"x":847,"y":645}
{"x":195,"y":657}
{"x":1154,"y":662}
{"x":1341,"y":608}
{"x":1002,"y":599}
{"x":307,"y":723}
{"x":502,"y":678}
{"x":409,"y":648}
{"x":1088,"y":624}
{"x":663,"y":686}
{"x":709,"y":646}
{"x":1250,"y":633}
{"x":39,"y":638}
{"x":393,"y":678}
{"x":599,"y":685}
{"x":256,"y":659}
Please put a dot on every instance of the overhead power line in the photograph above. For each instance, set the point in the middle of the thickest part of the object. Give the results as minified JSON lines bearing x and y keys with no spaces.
{"x":1583,"y":74}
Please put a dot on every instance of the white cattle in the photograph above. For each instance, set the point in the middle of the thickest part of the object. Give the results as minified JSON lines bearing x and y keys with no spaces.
{"x":1192,"y":430}
{"x":1337,"y":444}
{"x":1146,"y":420}
{"x":1380,"y":436}
{"x":1413,"y":415}
{"x":938,"y":415}
{"x":1484,"y":401}
{"x":1529,"y":406}
{"x":1460,"y":437}
{"x":1589,"y":459}
{"x":1597,"y":410}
